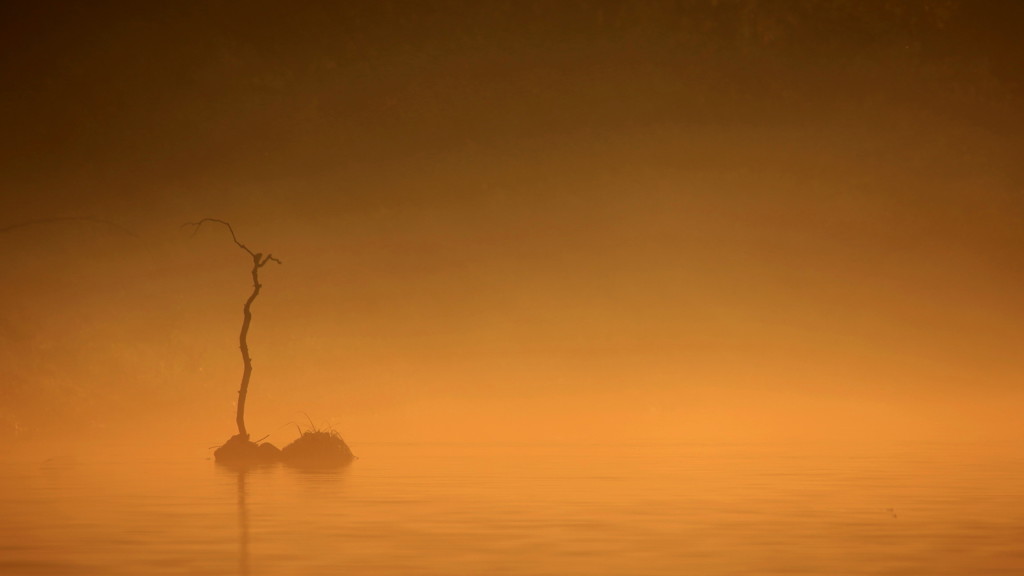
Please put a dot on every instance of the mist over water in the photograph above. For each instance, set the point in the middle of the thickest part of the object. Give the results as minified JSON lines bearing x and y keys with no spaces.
{"x":711,"y":287}
{"x":645,"y":509}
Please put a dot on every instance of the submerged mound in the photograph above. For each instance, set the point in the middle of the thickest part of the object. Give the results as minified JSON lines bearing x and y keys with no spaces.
{"x":318,"y":448}
{"x":240,"y":450}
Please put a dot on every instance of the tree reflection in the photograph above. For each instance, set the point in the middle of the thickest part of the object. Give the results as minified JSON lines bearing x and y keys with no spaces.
{"x":243,"y":526}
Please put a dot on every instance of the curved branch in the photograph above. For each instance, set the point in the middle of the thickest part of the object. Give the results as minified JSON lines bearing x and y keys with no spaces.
{"x":28,"y":223}
{"x":198,"y":224}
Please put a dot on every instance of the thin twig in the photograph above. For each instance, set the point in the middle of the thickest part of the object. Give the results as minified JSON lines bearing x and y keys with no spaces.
{"x":28,"y":223}
{"x":268,"y":258}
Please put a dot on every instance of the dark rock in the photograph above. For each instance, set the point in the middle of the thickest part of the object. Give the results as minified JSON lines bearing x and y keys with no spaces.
{"x":240,"y":450}
{"x":270,"y":452}
{"x":318,"y":449}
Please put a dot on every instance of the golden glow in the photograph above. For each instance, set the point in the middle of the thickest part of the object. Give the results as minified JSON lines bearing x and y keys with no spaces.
{"x":582,"y":223}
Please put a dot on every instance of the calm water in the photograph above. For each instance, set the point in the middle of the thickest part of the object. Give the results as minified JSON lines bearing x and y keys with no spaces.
{"x":504,"y":509}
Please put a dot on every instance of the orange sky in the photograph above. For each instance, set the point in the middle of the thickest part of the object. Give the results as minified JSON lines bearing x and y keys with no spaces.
{"x":514,"y":221}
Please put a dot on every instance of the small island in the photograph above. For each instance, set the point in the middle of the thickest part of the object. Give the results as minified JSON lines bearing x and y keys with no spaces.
{"x":314,"y":448}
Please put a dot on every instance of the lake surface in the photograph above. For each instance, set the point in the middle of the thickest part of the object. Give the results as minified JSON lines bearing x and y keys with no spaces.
{"x":527,"y":509}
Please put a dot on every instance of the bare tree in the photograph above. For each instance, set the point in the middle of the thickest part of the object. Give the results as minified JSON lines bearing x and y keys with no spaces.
{"x":259,"y":260}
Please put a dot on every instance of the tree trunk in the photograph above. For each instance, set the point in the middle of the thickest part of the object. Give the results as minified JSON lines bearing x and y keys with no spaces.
{"x":243,"y":390}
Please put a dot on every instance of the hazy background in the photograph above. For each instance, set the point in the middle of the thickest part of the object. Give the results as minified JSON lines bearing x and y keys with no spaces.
{"x":571,"y":221}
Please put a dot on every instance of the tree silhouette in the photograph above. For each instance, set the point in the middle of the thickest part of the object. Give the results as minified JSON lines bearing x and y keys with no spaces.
{"x":259,"y":260}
